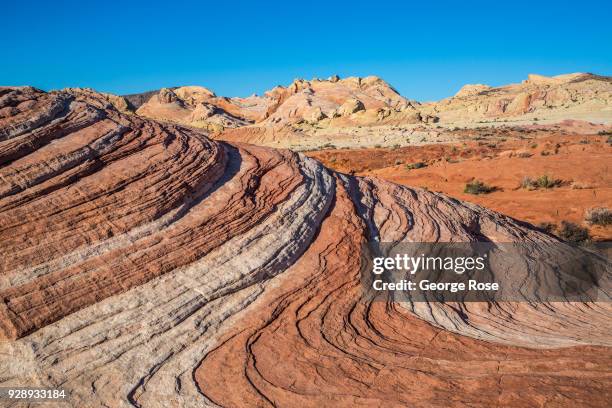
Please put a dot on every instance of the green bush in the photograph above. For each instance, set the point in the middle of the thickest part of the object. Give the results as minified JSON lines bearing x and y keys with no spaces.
{"x":477,"y":187}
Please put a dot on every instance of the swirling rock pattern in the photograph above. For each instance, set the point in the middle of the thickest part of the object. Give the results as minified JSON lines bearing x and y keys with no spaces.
{"x":146,"y":265}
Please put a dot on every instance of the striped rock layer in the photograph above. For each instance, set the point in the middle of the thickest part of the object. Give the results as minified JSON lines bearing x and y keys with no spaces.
{"x":143,"y":264}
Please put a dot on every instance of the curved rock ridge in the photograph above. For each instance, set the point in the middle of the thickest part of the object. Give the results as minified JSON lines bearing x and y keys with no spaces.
{"x":146,"y":265}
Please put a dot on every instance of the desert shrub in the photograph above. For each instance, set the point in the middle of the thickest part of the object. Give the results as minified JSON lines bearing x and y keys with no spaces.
{"x":396,"y":146}
{"x":528,"y":183}
{"x":548,"y":182}
{"x":416,"y":165}
{"x":599,"y":216}
{"x":577,"y":185}
{"x":541,"y":182}
{"x":477,"y":187}
{"x":573,"y":232}
{"x":547,"y":226}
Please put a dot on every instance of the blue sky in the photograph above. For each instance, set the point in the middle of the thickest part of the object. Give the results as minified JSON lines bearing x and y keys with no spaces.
{"x":426,"y":50}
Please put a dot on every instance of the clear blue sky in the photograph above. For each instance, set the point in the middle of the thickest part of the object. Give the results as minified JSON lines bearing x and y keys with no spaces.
{"x":427,"y":50}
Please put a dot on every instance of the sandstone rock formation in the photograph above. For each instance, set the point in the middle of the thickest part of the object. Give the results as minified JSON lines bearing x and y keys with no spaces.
{"x":199,"y":107}
{"x":472,"y":89}
{"x":334,"y":97}
{"x":572,"y":96}
{"x":119,"y":102}
{"x":146,"y":265}
{"x":354,"y":112}
{"x":312,"y":100}
{"x":338,"y":106}
{"x":351,"y":106}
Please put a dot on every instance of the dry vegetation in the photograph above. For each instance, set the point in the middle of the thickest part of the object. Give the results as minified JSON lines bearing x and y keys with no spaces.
{"x":543,"y":178}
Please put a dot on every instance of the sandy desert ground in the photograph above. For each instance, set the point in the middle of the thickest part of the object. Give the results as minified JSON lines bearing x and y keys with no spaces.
{"x":579,"y":164}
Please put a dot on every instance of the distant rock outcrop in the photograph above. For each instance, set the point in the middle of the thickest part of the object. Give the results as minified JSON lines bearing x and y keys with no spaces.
{"x":334,"y":97}
{"x":195,"y":106}
{"x":472,"y":89}
{"x":334,"y":105}
{"x":317,"y":111}
{"x":573,"y":96}
{"x":144,"y":264}
{"x":351,"y":106}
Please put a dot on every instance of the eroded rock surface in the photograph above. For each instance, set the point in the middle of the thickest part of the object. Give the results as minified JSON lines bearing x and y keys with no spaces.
{"x":146,"y":265}
{"x":355,"y":111}
{"x":199,"y":107}
{"x":572,"y":96}
{"x":367,"y":112}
